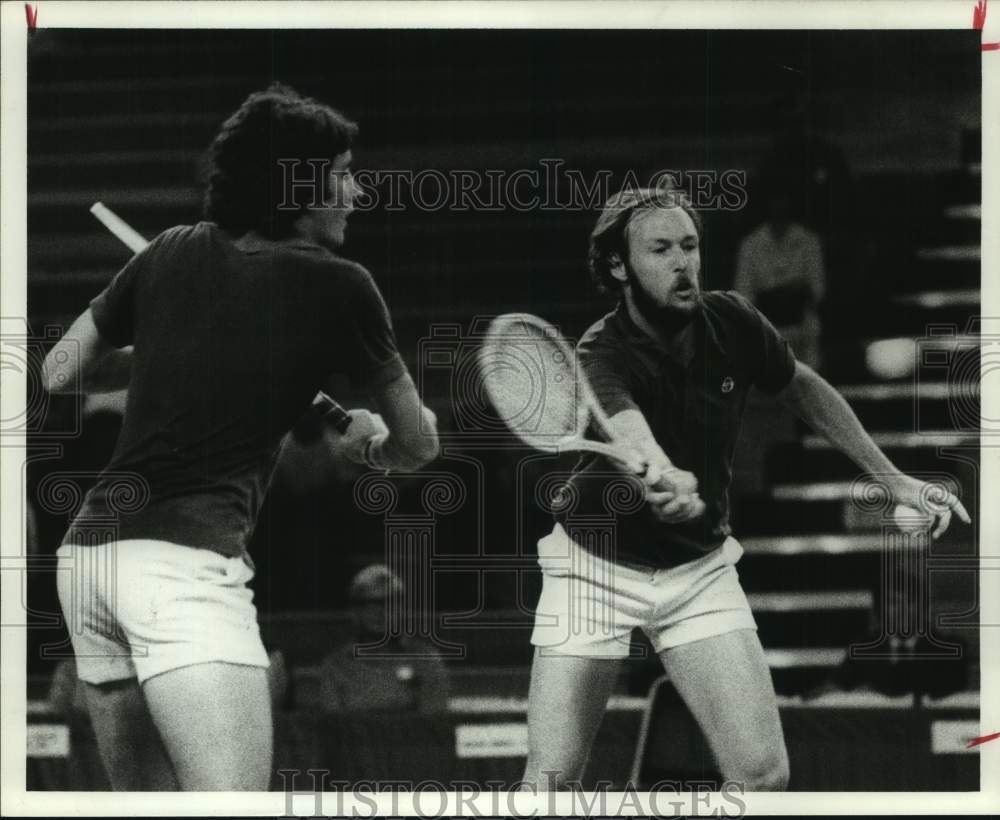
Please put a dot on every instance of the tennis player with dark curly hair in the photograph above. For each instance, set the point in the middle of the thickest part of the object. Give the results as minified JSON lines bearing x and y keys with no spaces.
{"x":223,"y":332}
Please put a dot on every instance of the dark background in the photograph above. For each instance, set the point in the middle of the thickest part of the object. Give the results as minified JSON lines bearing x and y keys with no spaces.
{"x":879,"y":130}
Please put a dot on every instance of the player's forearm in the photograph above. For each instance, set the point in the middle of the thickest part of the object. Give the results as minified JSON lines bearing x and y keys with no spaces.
{"x":631,"y":427}
{"x":391,"y":452}
{"x":818,"y":403}
{"x":64,"y":374}
{"x":111,"y":373}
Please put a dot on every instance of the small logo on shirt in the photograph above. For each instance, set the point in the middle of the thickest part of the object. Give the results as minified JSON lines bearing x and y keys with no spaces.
{"x":728,"y":384}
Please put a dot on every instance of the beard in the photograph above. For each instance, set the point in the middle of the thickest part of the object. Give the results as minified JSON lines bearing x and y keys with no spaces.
{"x":666,"y":318}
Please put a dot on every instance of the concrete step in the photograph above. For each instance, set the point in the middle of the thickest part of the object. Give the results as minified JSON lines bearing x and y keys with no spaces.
{"x":914,"y":454}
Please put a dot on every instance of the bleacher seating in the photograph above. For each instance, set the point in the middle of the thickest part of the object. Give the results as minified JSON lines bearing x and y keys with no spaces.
{"x":811,"y":570}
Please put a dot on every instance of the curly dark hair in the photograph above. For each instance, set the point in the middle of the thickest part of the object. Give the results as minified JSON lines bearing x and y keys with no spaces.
{"x":246,"y":183}
{"x":608,"y":242}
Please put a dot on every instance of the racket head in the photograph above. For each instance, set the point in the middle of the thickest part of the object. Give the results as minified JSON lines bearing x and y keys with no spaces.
{"x":532,"y":378}
{"x":538,"y":389}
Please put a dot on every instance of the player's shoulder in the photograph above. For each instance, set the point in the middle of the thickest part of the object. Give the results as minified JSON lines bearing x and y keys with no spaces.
{"x":170,"y":248}
{"x":312,"y":257}
{"x":732,"y":316}
{"x":605,"y":341}
{"x":728,"y":305}
{"x":342,"y":274}
{"x":345,"y":267}
{"x":317,"y":263}
{"x":605,"y":331}
{"x":179,"y":233}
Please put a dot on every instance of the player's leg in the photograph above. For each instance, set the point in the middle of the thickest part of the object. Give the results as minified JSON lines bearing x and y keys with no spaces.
{"x":215,"y":720}
{"x":727,"y":686}
{"x":583,"y":623}
{"x":707,"y":641}
{"x":127,"y":740}
{"x":192,"y":626}
{"x":566,"y":703}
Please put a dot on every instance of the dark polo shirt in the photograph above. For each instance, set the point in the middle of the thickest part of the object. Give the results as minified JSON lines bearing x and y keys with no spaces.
{"x":233,"y":338}
{"x":694,"y":412}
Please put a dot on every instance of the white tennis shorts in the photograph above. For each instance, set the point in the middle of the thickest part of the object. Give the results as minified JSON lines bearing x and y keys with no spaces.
{"x":589,"y":606}
{"x":137,"y":608}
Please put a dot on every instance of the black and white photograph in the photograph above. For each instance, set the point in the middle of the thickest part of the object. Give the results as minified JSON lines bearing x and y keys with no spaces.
{"x":442,"y":409}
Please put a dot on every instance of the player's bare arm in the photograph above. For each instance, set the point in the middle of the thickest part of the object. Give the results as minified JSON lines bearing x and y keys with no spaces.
{"x":84,"y":362}
{"x":816,"y":401}
{"x":672,"y":493}
{"x":401,"y":436}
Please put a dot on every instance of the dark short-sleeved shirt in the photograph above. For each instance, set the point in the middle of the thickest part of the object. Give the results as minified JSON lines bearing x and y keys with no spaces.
{"x":694,"y":412}
{"x":232,"y":340}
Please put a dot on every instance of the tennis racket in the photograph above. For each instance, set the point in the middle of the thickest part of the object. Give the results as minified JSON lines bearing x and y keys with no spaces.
{"x":323,"y":411}
{"x":536,"y":384}
{"x":129,"y":236}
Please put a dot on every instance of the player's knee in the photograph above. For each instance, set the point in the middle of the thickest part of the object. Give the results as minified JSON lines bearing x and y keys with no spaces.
{"x":767,"y":773}
{"x":223,"y":779}
{"x":545,"y":773}
{"x":546,"y":779}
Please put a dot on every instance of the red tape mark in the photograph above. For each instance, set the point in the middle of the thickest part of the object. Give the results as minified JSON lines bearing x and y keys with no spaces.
{"x":979,"y":15}
{"x":976,"y":741}
{"x":978,"y":21}
{"x":31,"y":15}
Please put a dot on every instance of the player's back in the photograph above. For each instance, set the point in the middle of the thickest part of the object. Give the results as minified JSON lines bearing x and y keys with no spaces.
{"x":232,"y":340}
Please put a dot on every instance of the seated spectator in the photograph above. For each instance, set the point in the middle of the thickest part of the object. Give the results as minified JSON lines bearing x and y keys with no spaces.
{"x":402,"y":674}
{"x":780,"y":269}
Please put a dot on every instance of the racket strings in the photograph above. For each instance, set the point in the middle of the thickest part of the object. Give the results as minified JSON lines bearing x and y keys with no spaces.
{"x":533,"y":384}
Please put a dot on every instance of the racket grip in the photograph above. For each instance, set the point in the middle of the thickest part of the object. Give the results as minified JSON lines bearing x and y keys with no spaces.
{"x":323,"y":411}
{"x":651,"y":475}
{"x":331,"y":412}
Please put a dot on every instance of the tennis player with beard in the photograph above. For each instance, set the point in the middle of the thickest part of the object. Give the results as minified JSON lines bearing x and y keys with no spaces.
{"x":223,"y":332}
{"x":672,"y":367}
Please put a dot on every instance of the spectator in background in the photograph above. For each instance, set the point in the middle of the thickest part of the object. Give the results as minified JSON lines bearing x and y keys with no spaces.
{"x":802,"y":150}
{"x":407,"y":674}
{"x":780,"y":269}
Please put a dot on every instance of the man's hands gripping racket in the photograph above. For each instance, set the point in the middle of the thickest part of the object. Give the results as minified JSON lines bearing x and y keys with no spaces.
{"x":538,"y":389}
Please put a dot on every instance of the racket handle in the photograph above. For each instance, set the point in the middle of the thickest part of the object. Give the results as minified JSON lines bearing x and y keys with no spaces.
{"x":331,"y":412}
{"x":323,"y":411}
{"x":129,"y":237}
